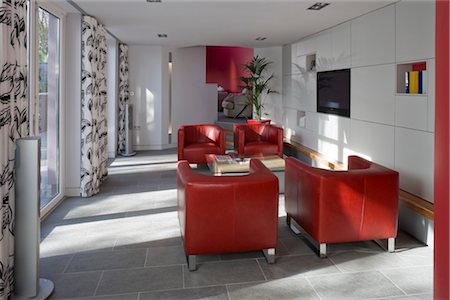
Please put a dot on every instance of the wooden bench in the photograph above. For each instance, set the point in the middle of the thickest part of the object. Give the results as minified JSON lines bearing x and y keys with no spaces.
{"x":417,"y":204}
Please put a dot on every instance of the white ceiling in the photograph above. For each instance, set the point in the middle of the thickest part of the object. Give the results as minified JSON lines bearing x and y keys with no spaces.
{"x":221,"y":22}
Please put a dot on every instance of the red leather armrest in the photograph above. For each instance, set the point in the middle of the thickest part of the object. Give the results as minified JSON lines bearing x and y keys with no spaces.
{"x":180,"y":142}
{"x":240,"y":139}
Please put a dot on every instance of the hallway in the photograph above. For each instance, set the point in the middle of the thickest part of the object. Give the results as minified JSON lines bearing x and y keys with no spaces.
{"x":125,"y":243}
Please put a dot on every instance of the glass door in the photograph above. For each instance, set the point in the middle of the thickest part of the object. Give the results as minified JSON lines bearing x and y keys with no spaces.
{"x":48,"y":99}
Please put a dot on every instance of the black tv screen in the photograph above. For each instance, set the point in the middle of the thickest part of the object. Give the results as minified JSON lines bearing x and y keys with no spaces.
{"x":333,"y":92}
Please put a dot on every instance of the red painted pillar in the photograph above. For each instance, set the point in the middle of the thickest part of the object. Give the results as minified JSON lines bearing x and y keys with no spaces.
{"x":441,"y":160}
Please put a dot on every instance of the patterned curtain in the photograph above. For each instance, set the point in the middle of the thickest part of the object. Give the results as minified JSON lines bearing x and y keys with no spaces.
{"x":13,"y":124}
{"x":94,"y":152}
{"x":123,"y":94}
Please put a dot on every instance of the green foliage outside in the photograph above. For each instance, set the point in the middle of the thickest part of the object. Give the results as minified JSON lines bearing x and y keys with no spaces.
{"x":43,"y":49}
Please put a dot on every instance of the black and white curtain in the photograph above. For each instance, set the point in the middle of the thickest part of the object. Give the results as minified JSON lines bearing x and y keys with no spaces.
{"x":13,"y":124}
{"x":94,"y":152}
{"x":123,"y":94}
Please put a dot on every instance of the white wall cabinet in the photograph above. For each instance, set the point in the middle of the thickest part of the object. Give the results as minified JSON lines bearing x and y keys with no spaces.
{"x":414,"y":160}
{"x":333,"y":48}
{"x":372,"y":94}
{"x":414,"y":28}
{"x":373,"y":38}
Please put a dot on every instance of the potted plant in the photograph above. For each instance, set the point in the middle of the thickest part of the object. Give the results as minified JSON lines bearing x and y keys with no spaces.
{"x":257,"y":83}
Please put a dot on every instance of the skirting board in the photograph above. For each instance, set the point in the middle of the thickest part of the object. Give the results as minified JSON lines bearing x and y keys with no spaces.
{"x":153,"y":147}
{"x":416,"y":225}
{"x":72,"y":191}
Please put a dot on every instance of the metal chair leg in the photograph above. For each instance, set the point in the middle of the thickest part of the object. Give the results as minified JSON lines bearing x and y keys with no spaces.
{"x":323,"y":250}
{"x":270,"y":255}
{"x":391,"y":244}
{"x":192,"y":264}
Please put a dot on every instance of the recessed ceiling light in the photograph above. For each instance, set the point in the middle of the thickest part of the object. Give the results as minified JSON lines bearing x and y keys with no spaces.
{"x":318,"y":6}
{"x":260,"y":38}
{"x":162,"y":35}
{"x":154,"y":1}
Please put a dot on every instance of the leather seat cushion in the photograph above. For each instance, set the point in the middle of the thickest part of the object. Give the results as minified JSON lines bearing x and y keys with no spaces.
{"x":195,"y":153}
{"x":260,"y":147}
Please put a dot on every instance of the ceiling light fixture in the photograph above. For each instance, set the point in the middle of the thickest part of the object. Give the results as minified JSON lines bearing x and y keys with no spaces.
{"x":318,"y":6}
{"x":154,"y":1}
{"x":260,"y":38}
{"x":162,"y":35}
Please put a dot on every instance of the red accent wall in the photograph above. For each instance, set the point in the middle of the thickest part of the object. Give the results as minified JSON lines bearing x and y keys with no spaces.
{"x":224,"y":66}
{"x":442,"y":154}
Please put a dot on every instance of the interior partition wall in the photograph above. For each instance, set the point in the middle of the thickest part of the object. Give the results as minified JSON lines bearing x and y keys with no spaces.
{"x":442,"y":154}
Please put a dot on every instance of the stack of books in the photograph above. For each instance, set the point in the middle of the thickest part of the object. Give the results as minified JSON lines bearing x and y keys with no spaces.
{"x":416,"y":80}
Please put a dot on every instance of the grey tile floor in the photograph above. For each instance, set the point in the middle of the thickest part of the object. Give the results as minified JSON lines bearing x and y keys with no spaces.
{"x":125,"y":243}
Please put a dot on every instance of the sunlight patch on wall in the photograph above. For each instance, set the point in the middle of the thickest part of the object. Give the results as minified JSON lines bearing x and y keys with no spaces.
{"x":329,"y":127}
{"x":329,"y":149}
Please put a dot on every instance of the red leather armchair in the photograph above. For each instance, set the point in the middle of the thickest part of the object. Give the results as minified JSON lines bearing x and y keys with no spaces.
{"x":220,"y":214}
{"x":261,"y":138}
{"x":343,"y":206}
{"x":194,"y":141}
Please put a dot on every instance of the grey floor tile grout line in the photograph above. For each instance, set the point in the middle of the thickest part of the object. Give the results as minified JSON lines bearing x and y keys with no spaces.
{"x":260,"y":268}
{"x":395,"y":297}
{"x":177,"y":289}
{"x":314,"y":289}
{"x":396,"y":285}
{"x":183,"y":277}
{"x":146,"y":256}
{"x":69,"y":261}
{"x":98,"y":283}
{"x":228,"y":292}
{"x":336,"y":265}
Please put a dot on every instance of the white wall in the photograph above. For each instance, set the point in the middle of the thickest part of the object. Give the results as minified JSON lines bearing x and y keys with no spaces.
{"x":72,"y":102}
{"x":113,"y":94}
{"x":193,"y":101}
{"x":396,"y":130}
{"x":273,"y":104}
{"x":146,"y":94}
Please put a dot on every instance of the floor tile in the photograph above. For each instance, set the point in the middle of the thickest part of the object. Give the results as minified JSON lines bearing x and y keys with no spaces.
{"x":353,"y":261}
{"x":142,"y":279}
{"x":161,"y":256}
{"x":75,"y":244}
{"x":135,"y":212}
{"x":415,"y":280}
{"x":285,"y":288}
{"x":299,"y":265}
{"x":218,"y":273}
{"x":133,"y":296}
{"x":132,"y":240}
{"x":417,"y":256}
{"x":75,"y":285}
{"x":363,"y":245}
{"x":213,"y":293}
{"x":361,"y":285}
{"x":411,"y":297}
{"x":118,"y":259}
{"x":297,"y":245}
{"x":53,"y":264}
{"x":241,"y":255}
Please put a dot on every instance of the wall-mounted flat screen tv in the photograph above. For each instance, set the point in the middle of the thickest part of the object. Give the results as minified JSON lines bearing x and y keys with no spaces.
{"x":333,"y":92}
